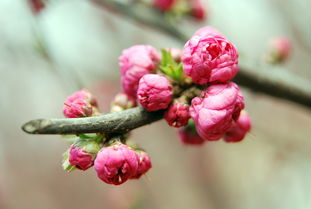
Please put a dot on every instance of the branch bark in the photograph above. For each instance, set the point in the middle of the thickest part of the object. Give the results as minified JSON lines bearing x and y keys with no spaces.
{"x":111,"y":123}
{"x":272,"y":80}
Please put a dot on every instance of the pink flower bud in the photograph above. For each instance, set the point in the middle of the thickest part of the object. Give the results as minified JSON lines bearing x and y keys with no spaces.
{"x":144,"y":164}
{"x":210,"y":58}
{"x":80,"y":104}
{"x":154,"y":92}
{"x":207,"y":31}
{"x":216,"y":109}
{"x":189,"y":137}
{"x":116,"y":164}
{"x":197,"y":10}
{"x":280,"y":49}
{"x":134,"y":63}
{"x":77,"y":109}
{"x":82,"y":155}
{"x":177,"y":115}
{"x":239,"y":129}
{"x":164,"y":5}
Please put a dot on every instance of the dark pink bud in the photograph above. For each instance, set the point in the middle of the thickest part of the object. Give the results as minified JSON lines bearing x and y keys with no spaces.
{"x":116,"y":164}
{"x":154,"y":92}
{"x":177,"y":115}
{"x":197,"y":10}
{"x":144,"y":164}
{"x":79,"y":158}
{"x":82,"y":154}
{"x":216,"y":109}
{"x":164,"y":5}
{"x":36,"y":6}
{"x":189,"y":137}
{"x":239,"y":129}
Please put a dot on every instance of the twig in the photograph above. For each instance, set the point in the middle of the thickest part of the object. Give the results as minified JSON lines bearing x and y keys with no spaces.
{"x":119,"y":122}
{"x":272,"y":80}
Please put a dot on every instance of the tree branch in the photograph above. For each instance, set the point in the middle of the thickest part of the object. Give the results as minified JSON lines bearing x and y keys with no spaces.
{"x":119,"y":122}
{"x":272,"y":80}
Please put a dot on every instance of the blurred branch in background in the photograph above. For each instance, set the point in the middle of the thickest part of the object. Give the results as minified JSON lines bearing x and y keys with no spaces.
{"x":272,"y":80}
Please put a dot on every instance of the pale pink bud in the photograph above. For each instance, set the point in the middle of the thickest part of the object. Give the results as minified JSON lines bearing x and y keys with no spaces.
{"x":134,"y":63}
{"x":175,"y":53}
{"x":144,"y":164}
{"x":216,"y":109}
{"x":177,"y":115}
{"x":123,"y":101}
{"x":210,"y":58}
{"x":280,"y":49}
{"x":154,"y":92}
{"x":116,"y":164}
{"x":239,"y":129}
{"x":164,"y":5}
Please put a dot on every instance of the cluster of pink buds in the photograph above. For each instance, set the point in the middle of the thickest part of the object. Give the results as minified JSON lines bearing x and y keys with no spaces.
{"x":191,"y":87}
{"x":192,"y":83}
{"x":114,"y":161}
{"x":193,"y":8}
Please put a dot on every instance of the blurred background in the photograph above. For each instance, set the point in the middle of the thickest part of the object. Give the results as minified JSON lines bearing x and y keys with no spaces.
{"x":270,"y":169}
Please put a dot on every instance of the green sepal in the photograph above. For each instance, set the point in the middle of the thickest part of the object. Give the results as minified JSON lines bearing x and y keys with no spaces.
{"x":66,"y":164}
{"x":169,"y":67}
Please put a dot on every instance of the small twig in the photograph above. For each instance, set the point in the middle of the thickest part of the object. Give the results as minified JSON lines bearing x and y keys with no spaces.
{"x":112,"y":123}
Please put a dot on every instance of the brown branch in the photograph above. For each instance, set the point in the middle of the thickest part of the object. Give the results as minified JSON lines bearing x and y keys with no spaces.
{"x":272,"y":80}
{"x":112,"y":123}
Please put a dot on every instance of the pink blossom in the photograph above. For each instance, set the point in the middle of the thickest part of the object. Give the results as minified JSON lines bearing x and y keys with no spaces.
{"x":116,"y":164}
{"x":210,"y":58}
{"x":135,"y":62}
{"x":144,"y":164}
{"x":80,"y":158}
{"x":216,"y":109}
{"x":154,"y":92}
{"x":177,"y":115}
{"x":189,"y":137}
{"x":239,"y":129}
{"x":164,"y":5}
{"x":80,"y":104}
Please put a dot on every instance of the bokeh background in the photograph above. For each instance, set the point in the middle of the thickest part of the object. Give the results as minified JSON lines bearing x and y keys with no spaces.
{"x":270,"y":169}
